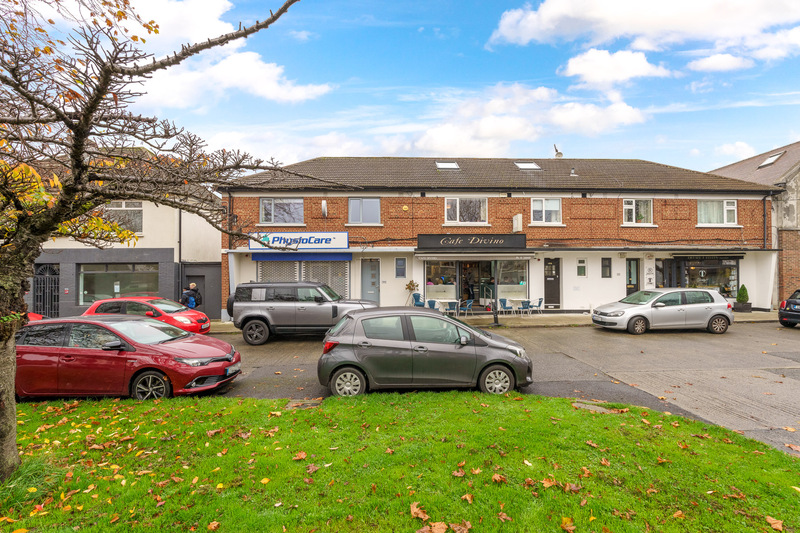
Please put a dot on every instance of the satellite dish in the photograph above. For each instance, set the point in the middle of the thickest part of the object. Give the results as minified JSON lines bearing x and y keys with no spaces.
{"x":559,"y":155}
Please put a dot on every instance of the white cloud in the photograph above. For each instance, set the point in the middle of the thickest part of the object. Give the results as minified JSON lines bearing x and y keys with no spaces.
{"x":600,"y":68}
{"x":763,"y":28}
{"x":591,"y":119}
{"x":302,"y":36}
{"x":740,"y":150}
{"x":199,"y":83}
{"x":720,"y":63}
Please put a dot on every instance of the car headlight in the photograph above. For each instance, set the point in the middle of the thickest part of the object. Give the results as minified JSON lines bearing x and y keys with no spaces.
{"x":616,"y":313}
{"x":516,"y":350}
{"x":183,"y":320}
{"x":193,"y":361}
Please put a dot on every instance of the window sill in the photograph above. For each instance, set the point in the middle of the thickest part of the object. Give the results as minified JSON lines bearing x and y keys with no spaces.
{"x":467,"y":224}
{"x":546,"y":225}
{"x":733,"y":226}
{"x":630,"y":225}
{"x":283,"y":225}
{"x":354,"y":225}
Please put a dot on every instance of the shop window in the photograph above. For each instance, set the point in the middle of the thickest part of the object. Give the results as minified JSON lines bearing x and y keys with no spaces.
{"x":127,"y":214}
{"x":101,"y":281}
{"x":546,"y":211}
{"x":512,"y":279}
{"x":440,"y":280}
{"x":637,"y":211}
{"x":399,"y":267}
{"x":364,"y":211}
{"x":716,"y":212}
{"x":465,"y":211}
{"x":605,"y":267}
{"x":281,"y":211}
{"x":581,"y":268}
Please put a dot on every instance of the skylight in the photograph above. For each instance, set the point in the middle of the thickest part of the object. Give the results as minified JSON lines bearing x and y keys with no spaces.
{"x":771,"y":159}
{"x":527,"y":165}
{"x":447,"y":165}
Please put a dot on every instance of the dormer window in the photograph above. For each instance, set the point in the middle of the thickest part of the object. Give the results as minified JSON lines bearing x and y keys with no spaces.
{"x":771,"y":159}
{"x":447,"y":165}
{"x":527,"y":165}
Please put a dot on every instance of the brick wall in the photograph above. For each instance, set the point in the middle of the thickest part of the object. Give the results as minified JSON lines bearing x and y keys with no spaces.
{"x":789,"y":263}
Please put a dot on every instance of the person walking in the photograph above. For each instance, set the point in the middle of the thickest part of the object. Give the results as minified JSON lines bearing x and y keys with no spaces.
{"x":191,"y":297}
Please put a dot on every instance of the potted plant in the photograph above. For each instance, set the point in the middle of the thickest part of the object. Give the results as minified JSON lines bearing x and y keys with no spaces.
{"x":412,"y":287}
{"x":742,"y":303}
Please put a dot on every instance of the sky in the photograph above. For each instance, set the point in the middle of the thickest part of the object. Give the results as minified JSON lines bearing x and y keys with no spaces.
{"x":691,"y":83}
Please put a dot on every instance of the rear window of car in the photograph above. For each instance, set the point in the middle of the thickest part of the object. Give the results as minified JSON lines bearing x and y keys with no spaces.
{"x":795,"y":295}
{"x":109,"y":307}
{"x":388,"y":328}
{"x":340,"y":327}
{"x":44,"y":335}
{"x":698,"y":297}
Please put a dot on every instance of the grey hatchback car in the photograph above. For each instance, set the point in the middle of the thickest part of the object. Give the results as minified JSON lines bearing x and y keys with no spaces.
{"x":412,"y":347}
{"x":667,"y":308}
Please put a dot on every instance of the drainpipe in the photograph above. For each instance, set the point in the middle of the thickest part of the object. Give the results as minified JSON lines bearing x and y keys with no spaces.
{"x":180,"y":252}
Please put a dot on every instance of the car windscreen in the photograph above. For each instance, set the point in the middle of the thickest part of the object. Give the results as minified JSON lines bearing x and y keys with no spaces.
{"x":641,"y":297}
{"x":148,"y":331}
{"x":168,"y":306}
{"x":330,"y":293}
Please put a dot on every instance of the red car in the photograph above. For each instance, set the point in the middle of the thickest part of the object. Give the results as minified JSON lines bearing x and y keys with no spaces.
{"x":168,"y":311}
{"x":117,"y":355}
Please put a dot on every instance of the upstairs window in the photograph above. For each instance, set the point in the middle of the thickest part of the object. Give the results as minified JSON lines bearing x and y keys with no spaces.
{"x":465,"y":210}
{"x":546,"y":211}
{"x":364,"y":211}
{"x":127,"y":214}
{"x":281,"y":211}
{"x":637,"y":211}
{"x":716,"y":212}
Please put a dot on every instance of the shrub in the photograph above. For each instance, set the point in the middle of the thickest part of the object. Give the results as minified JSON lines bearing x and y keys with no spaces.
{"x":741,"y":296}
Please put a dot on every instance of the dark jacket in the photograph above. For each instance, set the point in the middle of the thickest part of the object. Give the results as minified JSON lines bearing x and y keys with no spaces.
{"x":191,"y":292}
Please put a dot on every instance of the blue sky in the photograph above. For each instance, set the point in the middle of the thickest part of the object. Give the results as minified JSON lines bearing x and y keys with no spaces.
{"x":695,"y":84}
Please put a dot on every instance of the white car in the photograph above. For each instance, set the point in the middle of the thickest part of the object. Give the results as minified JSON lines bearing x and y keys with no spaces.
{"x":669,"y":308}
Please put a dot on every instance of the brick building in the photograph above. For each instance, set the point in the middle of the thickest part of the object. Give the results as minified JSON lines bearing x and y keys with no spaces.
{"x":578,"y":233}
{"x":778,"y":168}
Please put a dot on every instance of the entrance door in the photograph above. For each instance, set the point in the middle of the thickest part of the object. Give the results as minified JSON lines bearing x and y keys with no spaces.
{"x":632,"y":275}
{"x":552,"y":283}
{"x":371,"y":280}
{"x":45,"y":289}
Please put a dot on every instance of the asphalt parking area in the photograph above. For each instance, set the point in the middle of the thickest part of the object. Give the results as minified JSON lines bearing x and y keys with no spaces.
{"x":747,"y":380}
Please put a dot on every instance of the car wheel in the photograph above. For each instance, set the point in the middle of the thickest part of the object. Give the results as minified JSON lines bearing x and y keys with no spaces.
{"x":788,"y":324}
{"x":348,"y":382}
{"x":718,"y":324}
{"x":255,"y":332}
{"x":150,"y":386}
{"x":496,"y":380}
{"x":637,"y":325}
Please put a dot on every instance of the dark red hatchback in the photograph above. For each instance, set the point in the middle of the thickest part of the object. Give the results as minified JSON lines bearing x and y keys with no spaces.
{"x":118,"y":355}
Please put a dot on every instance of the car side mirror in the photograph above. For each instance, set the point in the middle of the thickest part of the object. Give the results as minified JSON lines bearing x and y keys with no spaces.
{"x":659,"y":304}
{"x":319,"y":299}
{"x":151,"y":314}
{"x":114,"y":346}
{"x":464,"y":340}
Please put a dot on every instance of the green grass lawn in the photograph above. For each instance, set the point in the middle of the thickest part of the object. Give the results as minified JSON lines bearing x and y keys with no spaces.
{"x":436,"y":461}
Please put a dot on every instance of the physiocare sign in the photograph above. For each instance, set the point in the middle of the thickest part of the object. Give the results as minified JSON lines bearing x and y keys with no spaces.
{"x":311,"y":240}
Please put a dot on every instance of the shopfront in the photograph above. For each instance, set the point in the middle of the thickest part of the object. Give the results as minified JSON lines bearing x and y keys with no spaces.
{"x":474,"y":267}
{"x":711,"y":272}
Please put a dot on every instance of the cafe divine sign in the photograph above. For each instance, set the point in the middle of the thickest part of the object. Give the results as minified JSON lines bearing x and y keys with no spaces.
{"x":476,"y":242}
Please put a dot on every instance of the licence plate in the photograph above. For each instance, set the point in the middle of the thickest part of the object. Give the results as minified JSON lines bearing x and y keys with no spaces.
{"x":795,"y":307}
{"x":206,"y":325}
{"x":233,"y":369}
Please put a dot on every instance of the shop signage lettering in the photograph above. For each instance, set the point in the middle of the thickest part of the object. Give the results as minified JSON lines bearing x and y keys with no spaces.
{"x":471,"y":242}
{"x":301,"y":240}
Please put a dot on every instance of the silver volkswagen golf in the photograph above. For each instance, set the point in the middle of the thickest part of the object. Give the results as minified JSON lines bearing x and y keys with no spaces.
{"x":668,"y":308}
{"x":412,"y":347}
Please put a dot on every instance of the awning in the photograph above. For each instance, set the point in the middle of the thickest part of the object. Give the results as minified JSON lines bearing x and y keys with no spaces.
{"x":301,"y":256}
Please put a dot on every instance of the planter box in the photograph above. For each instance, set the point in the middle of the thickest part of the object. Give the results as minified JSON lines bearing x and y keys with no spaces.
{"x":740,"y":307}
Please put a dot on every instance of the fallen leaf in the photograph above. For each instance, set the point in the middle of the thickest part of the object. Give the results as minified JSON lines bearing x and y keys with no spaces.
{"x":678,"y":514}
{"x":777,"y":525}
{"x":504,"y":517}
{"x":499,"y":478}
{"x":468,"y":498}
{"x":418,"y":512}
{"x":567,"y":524}
{"x":300,"y":456}
{"x":213,"y":526}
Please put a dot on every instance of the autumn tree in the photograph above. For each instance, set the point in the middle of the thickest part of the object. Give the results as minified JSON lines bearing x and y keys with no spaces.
{"x":69,"y":145}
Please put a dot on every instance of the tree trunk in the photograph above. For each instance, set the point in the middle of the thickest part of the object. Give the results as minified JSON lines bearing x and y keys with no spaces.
{"x":17,"y":267}
{"x":9,"y":457}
